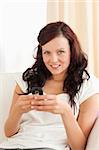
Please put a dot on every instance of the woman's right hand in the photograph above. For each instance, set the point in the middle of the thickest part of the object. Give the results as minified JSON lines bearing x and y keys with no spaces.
{"x":22,"y":104}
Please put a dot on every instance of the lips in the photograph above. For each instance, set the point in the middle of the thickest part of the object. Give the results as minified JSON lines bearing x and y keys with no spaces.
{"x":55,"y":66}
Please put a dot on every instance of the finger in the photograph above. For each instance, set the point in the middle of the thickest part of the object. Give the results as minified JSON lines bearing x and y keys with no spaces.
{"x":40,"y":97}
{"x":28,"y":107}
{"x":26,"y":102}
{"x":25,"y":97}
{"x":25,"y":106}
{"x":43,"y":102}
{"x":44,"y":108}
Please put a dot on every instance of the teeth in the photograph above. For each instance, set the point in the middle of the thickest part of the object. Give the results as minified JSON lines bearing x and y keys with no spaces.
{"x":55,"y":66}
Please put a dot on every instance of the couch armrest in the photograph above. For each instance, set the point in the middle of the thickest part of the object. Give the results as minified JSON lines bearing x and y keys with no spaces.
{"x":93,"y":140}
{"x":7,"y":86}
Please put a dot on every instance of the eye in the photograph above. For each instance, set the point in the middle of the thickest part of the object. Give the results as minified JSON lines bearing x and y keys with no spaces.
{"x":46,"y":52}
{"x":60,"y":52}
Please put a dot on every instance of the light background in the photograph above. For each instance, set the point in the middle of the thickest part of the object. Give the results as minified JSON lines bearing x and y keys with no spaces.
{"x":21,"y":20}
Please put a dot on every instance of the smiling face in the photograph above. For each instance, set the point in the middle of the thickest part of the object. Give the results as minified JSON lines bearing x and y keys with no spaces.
{"x":56,"y":56}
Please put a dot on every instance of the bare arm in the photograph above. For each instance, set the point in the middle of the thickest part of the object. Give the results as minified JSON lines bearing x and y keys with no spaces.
{"x":78,"y":132}
{"x":75,"y":135}
{"x":20,"y":104}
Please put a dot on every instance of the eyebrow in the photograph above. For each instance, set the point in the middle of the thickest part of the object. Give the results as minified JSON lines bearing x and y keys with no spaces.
{"x":61,"y":48}
{"x":56,"y":49}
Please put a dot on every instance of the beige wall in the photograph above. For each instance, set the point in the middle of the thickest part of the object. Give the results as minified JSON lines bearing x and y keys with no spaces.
{"x":83,"y":18}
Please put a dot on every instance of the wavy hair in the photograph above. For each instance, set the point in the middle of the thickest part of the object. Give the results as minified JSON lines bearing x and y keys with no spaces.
{"x":38,"y":73}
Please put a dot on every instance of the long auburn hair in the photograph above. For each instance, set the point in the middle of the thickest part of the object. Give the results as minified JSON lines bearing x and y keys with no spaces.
{"x":38,"y":73}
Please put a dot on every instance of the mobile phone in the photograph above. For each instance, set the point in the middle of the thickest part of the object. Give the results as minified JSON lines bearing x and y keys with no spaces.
{"x":37,"y":90}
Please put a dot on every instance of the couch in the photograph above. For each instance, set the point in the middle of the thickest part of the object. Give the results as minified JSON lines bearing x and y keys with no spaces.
{"x":7,"y":85}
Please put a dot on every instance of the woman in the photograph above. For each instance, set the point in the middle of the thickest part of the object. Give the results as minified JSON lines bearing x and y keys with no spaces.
{"x":70,"y":102}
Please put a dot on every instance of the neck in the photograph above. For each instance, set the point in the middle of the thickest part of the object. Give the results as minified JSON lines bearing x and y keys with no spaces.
{"x":58,"y":78}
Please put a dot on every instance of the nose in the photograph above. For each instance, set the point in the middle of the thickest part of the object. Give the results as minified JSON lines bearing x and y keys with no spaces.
{"x":54,"y":58}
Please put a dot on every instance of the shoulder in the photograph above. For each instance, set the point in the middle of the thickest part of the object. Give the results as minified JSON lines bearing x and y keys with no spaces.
{"x":91,"y":103}
{"x":20,"y":82}
{"x":89,"y":88}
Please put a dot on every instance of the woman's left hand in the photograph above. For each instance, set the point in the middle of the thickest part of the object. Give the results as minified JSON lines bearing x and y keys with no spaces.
{"x":49,"y":103}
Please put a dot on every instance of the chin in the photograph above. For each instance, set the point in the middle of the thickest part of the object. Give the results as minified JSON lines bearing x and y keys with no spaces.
{"x":56,"y":72}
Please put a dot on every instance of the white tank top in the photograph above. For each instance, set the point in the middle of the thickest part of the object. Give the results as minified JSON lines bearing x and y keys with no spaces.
{"x":43,"y":129}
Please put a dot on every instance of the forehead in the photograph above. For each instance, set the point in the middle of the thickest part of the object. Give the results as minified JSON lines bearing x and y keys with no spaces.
{"x":56,"y":43}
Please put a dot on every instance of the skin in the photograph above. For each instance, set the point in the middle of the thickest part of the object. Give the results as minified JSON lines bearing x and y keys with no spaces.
{"x":56,"y":56}
{"x":57,"y":53}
